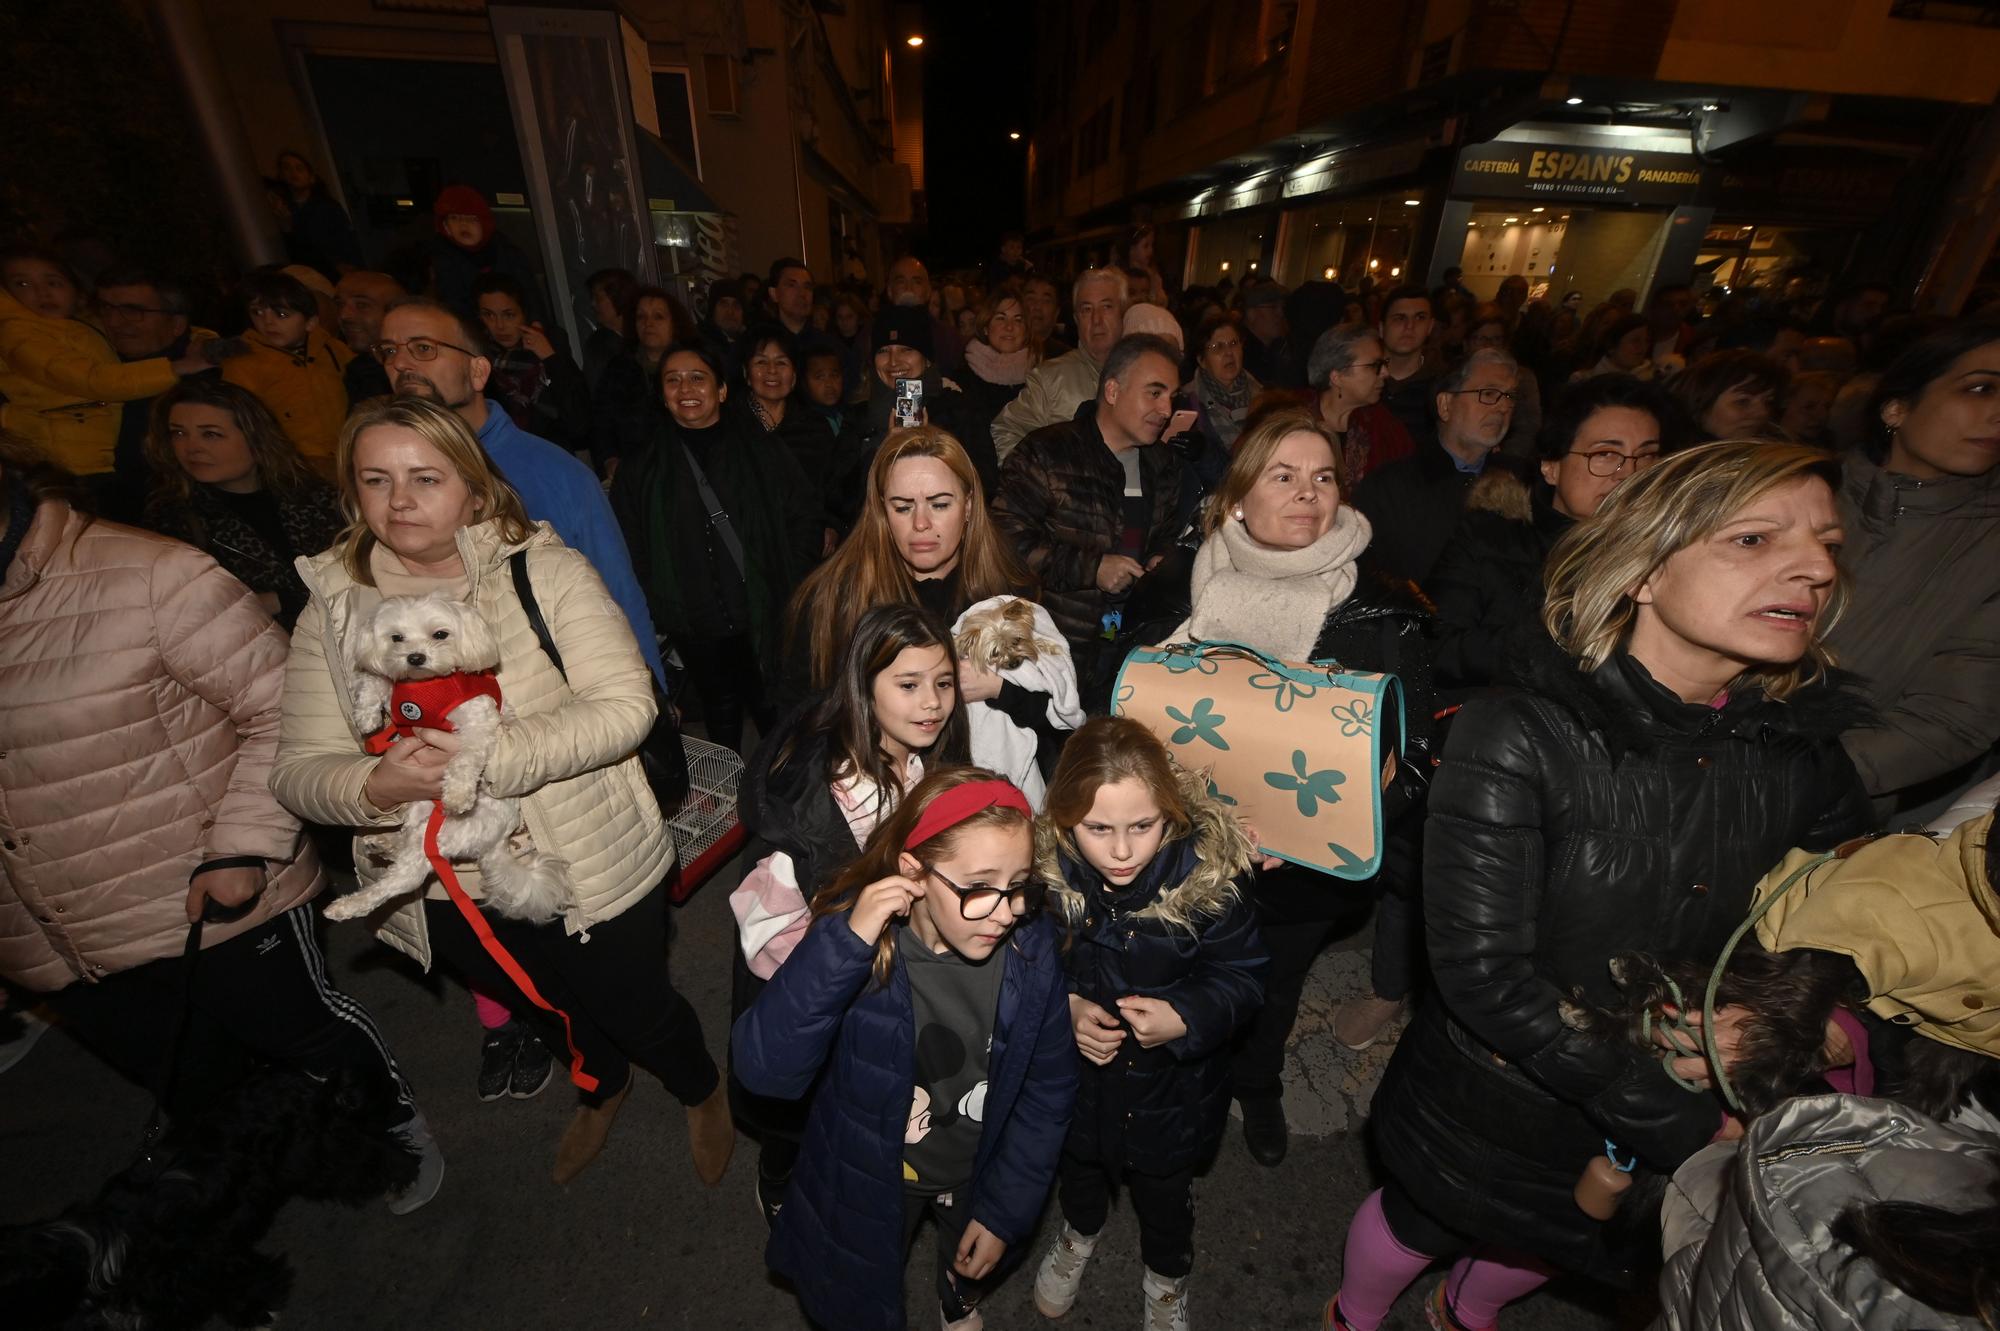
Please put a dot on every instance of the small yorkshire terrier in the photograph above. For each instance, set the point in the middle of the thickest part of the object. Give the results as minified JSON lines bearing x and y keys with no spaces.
{"x":1792,"y":995}
{"x":1001,"y":637}
{"x":428,"y":662}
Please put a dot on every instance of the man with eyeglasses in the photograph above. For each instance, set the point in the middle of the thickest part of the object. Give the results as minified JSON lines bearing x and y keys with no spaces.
{"x":1487,"y":584}
{"x":144,"y":317}
{"x":432,"y":353}
{"x":1415,"y":503}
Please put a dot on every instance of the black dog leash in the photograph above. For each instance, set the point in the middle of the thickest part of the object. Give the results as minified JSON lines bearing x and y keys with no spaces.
{"x":212,"y":912}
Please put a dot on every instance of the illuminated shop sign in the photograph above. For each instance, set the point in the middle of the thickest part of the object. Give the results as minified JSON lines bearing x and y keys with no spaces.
{"x":1571,"y":174}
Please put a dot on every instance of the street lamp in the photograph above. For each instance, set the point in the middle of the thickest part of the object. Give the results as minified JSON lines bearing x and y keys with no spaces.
{"x":914,"y":39}
{"x":1014,"y":135}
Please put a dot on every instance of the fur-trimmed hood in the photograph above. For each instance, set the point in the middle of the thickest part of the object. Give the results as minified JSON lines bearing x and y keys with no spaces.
{"x":1223,"y":853}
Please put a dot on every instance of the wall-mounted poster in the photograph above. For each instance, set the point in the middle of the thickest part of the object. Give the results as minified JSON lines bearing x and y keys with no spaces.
{"x":572,"y":105}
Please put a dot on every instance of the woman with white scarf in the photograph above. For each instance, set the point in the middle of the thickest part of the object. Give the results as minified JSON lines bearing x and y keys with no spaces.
{"x":1278,"y":572}
{"x":997,"y":362}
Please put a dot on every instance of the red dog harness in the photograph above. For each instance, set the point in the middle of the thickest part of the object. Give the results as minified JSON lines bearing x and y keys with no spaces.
{"x":429,"y":703}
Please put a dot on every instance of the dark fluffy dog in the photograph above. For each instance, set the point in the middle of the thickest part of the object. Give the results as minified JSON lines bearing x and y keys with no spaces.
{"x":171,"y":1242}
{"x":1792,"y":995}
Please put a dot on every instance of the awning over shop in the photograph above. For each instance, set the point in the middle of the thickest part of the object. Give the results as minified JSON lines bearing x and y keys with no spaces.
{"x":670,"y":186}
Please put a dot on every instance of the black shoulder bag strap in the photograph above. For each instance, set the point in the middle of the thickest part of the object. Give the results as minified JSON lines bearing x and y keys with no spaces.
{"x":517,"y":564}
{"x":662,"y":754}
{"x":718,"y":516}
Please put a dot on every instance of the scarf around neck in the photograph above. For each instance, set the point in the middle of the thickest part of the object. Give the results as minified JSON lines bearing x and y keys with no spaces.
{"x":1274,"y":600}
{"x":996,"y":367}
{"x":1227,"y":404}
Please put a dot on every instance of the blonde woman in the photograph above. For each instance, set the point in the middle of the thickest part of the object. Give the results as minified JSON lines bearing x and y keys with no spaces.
{"x":1624,"y":795}
{"x":427,"y":513}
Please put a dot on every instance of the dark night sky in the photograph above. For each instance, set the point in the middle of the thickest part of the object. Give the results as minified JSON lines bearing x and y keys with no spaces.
{"x":979,"y":68}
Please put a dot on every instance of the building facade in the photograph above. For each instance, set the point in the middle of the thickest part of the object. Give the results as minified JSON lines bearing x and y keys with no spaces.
{"x":768,"y":127}
{"x":1586,"y":145}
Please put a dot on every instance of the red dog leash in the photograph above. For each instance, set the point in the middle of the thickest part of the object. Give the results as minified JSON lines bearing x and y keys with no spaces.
{"x":498,"y":950}
{"x":429,"y":703}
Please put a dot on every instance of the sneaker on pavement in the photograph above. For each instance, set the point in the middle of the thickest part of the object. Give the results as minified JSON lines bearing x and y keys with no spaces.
{"x":533,"y":1067}
{"x":1265,"y":1132}
{"x":1061,"y":1272}
{"x":1361,"y":1022}
{"x":417,"y":1138}
{"x":1438,"y":1313}
{"x":1166,"y":1301}
{"x":496,"y":1059}
{"x":770,"y":1197}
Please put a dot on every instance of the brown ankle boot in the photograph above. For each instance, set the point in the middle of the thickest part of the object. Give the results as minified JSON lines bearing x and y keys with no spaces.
{"x":584,"y":1137}
{"x":711,"y":1136}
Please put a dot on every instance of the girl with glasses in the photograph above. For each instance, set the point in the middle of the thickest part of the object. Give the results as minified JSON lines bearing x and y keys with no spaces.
{"x":819,"y":784}
{"x":925,"y":1011}
{"x":1165,"y":964}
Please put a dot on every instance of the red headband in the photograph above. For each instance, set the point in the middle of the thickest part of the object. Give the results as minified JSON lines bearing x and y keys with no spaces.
{"x":961,"y":802}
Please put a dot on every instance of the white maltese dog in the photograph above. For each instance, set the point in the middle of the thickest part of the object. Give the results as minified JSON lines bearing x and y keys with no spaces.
{"x":428,"y":662}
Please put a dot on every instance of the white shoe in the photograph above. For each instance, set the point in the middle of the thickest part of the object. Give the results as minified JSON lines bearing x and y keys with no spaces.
{"x":1061,"y":1272}
{"x":1166,"y":1302}
{"x":418,"y":1140}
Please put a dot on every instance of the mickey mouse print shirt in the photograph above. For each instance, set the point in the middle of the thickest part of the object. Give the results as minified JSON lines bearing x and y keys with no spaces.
{"x":954,"y":1002}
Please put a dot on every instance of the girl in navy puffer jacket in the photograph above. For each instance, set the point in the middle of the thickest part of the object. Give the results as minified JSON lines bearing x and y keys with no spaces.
{"x":928,"y":1002}
{"x":1165,"y":963}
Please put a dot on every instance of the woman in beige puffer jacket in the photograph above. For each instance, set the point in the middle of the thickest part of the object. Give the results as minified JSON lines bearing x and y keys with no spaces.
{"x":140,"y":690}
{"x":431,"y":515}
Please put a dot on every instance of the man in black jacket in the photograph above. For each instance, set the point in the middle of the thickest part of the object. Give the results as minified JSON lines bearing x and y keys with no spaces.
{"x":1414,"y":503}
{"x":1090,"y":504}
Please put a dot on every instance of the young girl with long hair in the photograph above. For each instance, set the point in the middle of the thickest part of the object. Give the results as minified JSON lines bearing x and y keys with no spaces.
{"x":1165,"y":963}
{"x":816,"y":788}
{"x":925,"y":1010}
{"x":923,"y":538}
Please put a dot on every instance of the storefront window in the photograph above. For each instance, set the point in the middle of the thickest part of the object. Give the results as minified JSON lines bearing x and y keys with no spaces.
{"x":1348,"y":239}
{"x":1231,"y":247}
{"x":1737,"y":257}
{"x":1559,"y":250}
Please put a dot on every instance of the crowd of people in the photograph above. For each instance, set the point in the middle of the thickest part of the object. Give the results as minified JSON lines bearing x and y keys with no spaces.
{"x":1672,"y":590}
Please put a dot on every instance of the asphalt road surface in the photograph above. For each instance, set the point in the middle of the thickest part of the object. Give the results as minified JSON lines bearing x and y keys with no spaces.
{"x":638,"y":1242}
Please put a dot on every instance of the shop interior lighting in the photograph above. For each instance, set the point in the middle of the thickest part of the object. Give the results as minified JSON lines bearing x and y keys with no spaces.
{"x":1374,"y":263}
{"x":1396,"y":271}
{"x":1014,"y":134}
{"x":1511,"y":220}
{"x":1537,"y":209}
{"x":1253,"y":265}
{"x":1573,"y":101}
{"x":1413,"y":203}
{"x":914,"y":39}
{"x":1225,"y":265}
{"x":1329,"y":274}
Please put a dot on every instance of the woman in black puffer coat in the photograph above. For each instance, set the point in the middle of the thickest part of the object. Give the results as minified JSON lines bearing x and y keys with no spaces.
{"x":1625,"y":795}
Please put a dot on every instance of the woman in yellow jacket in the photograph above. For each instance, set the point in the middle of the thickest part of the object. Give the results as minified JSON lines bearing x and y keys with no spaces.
{"x":290,"y":363}
{"x":62,"y":381}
